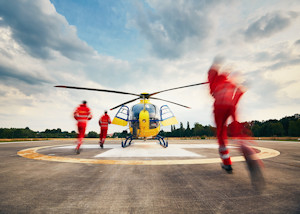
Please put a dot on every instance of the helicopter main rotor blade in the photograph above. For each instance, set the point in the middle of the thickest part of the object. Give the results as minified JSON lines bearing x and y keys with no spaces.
{"x":202,"y":83}
{"x":124,"y":103}
{"x":95,"y":89}
{"x":170,"y":102}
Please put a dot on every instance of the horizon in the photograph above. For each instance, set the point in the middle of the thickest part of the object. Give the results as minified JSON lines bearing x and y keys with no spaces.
{"x":296,"y":115}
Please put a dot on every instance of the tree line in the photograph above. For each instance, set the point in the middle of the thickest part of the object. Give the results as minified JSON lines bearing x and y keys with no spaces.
{"x":197,"y":131}
{"x":287,"y":126}
{"x":8,"y":133}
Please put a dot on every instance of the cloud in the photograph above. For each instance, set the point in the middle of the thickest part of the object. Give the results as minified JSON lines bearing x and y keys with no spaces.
{"x":280,"y":56}
{"x":18,"y":69}
{"x":284,"y":63}
{"x":8,"y":73}
{"x":40,"y":30}
{"x":173,"y":28}
{"x":269,"y":24}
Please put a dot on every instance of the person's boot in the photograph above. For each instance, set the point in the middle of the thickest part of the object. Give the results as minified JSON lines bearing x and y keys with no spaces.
{"x":227,"y":168}
{"x":77,"y":151}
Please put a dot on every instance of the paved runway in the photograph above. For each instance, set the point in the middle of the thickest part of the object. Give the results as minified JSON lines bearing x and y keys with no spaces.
{"x":47,"y":177}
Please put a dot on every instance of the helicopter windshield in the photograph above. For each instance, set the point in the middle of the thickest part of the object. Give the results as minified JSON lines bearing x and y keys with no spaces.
{"x":136,"y":109}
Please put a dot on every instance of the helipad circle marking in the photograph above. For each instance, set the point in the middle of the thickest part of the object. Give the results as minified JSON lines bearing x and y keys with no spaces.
{"x":32,"y":153}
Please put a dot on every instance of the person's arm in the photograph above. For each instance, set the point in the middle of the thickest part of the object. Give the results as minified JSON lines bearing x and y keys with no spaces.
{"x":90,"y":116}
{"x":238,"y":94}
{"x":75,"y":114}
{"x":100,"y":122}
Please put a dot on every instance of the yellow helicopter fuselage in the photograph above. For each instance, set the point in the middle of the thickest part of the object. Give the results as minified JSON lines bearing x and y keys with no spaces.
{"x":148,"y":127}
{"x":144,"y":119}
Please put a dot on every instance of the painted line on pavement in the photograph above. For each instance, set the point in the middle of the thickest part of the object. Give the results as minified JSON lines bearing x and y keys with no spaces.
{"x":32,"y":153}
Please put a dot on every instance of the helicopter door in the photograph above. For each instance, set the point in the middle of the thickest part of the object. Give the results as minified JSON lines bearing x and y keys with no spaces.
{"x":167,"y":117}
{"x":121,"y":117}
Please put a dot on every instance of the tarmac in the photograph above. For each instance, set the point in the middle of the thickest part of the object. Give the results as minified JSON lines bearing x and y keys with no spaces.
{"x":186,"y":177}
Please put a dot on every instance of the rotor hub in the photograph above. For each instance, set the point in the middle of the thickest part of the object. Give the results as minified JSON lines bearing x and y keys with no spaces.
{"x":144,"y":95}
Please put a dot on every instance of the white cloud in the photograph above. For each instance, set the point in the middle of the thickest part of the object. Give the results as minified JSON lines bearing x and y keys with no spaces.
{"x":39,"y":29}
{"x":174,"y":28}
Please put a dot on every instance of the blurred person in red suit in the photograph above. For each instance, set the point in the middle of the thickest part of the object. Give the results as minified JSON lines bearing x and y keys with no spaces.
{"x":104,"y":121}
{"x":82,"y":114}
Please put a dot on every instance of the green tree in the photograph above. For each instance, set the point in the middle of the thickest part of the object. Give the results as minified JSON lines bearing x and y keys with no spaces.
{"x":92,"y":134}
{"x":277,"y":129}
{"x":162,"y":133}
{"x":198,"y":130}
{"x":73,"y":134}
{"x":188,"y":131}
{"x":181,"y":130}
{"x":294,"y":128}
{"x":256,"y":128}
{"x":209,"y":131}
{"x":29,"y":133}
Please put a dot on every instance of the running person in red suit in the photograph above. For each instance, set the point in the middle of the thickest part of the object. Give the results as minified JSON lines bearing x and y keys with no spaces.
{"x":82,"y":114}
{"x":226,"y":95}
{"x":103,"y":122}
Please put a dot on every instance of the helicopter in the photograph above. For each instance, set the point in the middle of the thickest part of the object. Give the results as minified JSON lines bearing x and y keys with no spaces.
{"x":144,"y":119}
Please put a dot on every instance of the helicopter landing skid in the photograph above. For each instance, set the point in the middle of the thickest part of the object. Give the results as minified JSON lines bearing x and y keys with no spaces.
{"x":127,"y":141}
{"x":162,"y":141}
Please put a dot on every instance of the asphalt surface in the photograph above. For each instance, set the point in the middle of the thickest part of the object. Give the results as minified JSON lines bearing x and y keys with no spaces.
{"x":42,"y":186}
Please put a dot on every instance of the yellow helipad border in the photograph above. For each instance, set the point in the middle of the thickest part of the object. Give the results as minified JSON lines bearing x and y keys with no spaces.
{"x":33,"y":154}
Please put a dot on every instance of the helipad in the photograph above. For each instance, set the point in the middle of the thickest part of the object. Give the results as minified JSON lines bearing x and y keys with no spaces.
{"x":140,"y":154}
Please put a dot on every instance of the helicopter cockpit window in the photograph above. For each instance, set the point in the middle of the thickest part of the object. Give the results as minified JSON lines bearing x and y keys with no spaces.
{"x":136,"y":109}
{"x":152,"y":111}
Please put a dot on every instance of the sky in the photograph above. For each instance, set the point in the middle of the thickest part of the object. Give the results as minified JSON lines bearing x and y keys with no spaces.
{"x":140,"y":46}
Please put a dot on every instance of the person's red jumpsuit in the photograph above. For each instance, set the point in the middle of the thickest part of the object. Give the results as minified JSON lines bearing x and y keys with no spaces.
{"x":82,"y":114}
{"x":103,"y":122}
{"x":226,"y":96}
